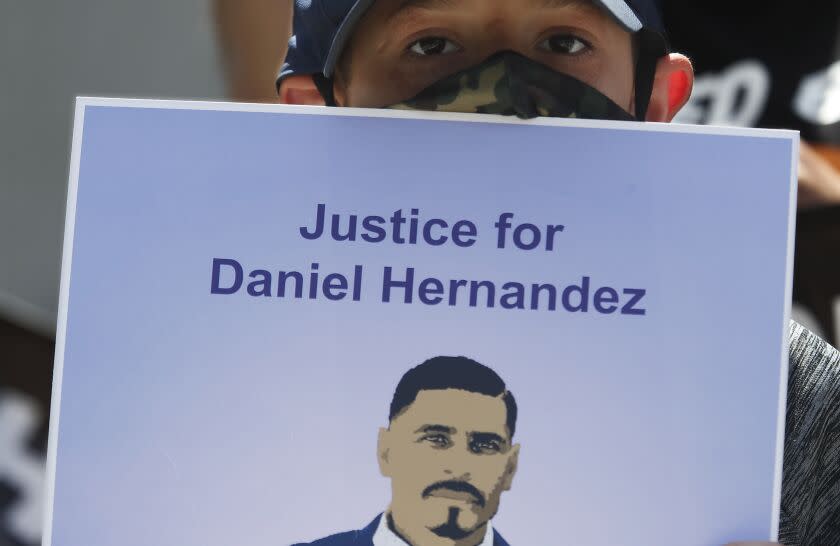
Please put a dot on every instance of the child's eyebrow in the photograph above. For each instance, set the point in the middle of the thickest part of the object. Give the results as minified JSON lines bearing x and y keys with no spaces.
{"x":407,"y":5}
{"x":566,"y":3}
{"x":581,"y":5}
{"x":403,"y":4}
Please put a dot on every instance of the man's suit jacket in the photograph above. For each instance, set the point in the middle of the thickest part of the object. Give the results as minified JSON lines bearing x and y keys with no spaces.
{"x":364,"y":537}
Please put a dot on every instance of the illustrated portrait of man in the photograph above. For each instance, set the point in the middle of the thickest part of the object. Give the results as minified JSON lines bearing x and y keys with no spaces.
{"x":449,"y":453}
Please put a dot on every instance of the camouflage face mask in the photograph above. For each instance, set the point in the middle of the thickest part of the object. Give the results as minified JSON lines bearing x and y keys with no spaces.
{"x":511,"y":84}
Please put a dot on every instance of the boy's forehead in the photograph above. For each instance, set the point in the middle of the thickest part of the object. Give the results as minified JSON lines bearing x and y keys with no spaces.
{"x":455,"y":3}
{"x":396,"y":7}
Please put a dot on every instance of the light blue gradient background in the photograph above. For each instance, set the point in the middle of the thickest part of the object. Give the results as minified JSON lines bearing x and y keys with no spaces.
{"x":193,"y":419}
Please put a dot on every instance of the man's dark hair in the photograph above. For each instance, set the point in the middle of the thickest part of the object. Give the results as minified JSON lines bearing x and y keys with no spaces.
{"x":452,"y":372}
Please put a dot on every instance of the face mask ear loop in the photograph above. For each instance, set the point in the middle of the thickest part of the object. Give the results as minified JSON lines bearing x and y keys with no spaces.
{"x":645,"y":73}
{"x":325,"y":87}
{"x":651,"y":48}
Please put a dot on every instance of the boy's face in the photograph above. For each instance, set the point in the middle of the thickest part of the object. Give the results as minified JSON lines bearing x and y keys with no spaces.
{"x":401,"y":47}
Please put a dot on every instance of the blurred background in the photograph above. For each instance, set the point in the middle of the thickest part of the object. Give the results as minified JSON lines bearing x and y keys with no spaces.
{"x":51,"y":52}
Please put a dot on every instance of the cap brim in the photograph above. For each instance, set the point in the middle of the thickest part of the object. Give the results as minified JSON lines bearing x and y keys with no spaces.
{"x":623,"y":14}
{"x":343,"y":34}
{"x":619,"y":9}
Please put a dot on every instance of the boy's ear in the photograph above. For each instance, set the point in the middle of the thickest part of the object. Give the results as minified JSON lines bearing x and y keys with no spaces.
{"x":300,"y":89}
{"x":672,"y":86}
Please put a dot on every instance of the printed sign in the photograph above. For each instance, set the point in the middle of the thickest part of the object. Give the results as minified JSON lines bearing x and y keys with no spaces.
{"x":280,"y":324}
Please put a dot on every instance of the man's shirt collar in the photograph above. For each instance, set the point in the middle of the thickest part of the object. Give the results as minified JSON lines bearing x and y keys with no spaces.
{"x":384,"y":536}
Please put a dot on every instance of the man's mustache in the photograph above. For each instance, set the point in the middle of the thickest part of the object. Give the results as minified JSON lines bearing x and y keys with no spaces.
{"x":455,"y":485}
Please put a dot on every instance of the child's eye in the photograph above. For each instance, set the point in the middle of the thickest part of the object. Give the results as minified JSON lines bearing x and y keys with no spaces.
{"x":433,"y":45}
{"x":565,"y":44}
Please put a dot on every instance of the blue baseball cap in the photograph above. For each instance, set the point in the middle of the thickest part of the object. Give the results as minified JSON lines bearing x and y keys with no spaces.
{"x":323,"y":27}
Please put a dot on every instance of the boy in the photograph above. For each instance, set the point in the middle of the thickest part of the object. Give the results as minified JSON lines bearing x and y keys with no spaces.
{"x":605,"y":59}
{"x":387,"y":52}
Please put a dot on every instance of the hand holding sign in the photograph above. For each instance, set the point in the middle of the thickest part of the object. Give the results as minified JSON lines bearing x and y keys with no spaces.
{"x":819,"y":177}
